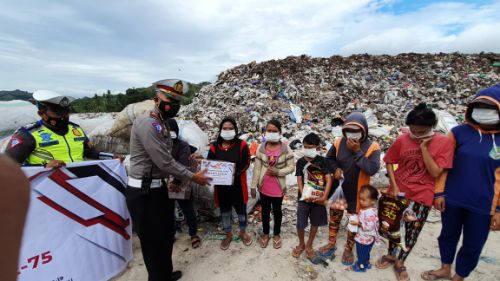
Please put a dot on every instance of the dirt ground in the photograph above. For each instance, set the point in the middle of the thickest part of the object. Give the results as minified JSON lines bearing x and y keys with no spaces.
{"x":243,"y":263}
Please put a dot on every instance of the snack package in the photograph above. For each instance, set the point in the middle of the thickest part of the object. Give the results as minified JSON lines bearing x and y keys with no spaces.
{"x":314,"y":183}
{"x":390,"y":213}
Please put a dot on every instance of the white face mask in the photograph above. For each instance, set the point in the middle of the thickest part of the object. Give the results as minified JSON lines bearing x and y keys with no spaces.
{"x":309,"y":152}
{"x":354,"y":136}
{"x":173,"y":135}
{"x":228,"y":134}
{"x":424,"y":136}
{"x":485,"y":116}
{"x":272,"y":137}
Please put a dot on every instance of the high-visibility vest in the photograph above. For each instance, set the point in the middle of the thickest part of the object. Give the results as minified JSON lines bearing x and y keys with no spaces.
{"x":51,"y":146}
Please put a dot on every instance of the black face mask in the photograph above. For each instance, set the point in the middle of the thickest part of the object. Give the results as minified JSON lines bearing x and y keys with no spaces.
{"x":61,"y":123}
{"x":172,"y":112}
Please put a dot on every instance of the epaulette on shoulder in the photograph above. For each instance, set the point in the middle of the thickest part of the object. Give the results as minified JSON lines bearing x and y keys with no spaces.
{"x":30,"y":127}
{"x":74,"y":124}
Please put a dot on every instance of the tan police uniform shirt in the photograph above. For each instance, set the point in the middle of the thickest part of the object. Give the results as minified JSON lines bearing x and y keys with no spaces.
{"x":151,"y":147}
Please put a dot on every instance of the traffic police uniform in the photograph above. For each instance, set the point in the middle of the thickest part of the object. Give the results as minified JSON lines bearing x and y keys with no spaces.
{"x":39,"y":143}
{"x":151,"y":162}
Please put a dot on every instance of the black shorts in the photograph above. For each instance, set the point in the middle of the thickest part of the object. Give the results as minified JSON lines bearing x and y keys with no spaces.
{"x":316,"y":214}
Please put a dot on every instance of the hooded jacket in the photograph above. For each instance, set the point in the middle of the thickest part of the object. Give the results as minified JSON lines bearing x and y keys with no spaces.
{"x":474,"y":181}
{"x":357,"y":167}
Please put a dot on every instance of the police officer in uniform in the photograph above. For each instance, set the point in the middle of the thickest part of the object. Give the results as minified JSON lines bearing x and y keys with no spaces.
{"x":54,"y":140}
{"x":151,"y":162}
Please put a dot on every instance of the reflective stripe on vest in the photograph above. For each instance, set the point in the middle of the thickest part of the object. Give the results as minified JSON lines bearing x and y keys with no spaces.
{"x":49,"y":146}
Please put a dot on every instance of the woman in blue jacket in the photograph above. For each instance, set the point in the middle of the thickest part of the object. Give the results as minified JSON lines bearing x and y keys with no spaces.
{"x":469,"y":198}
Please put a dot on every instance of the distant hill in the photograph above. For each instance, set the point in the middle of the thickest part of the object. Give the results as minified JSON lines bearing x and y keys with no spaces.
{"x":14,"y":95}
{"x":108,"y":102}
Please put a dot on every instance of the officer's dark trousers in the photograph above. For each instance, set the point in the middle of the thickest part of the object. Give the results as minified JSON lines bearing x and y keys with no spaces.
{"x":153,"y":221}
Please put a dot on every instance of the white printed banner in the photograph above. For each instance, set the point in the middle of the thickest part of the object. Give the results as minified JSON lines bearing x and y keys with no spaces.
{"x":78,"y":226}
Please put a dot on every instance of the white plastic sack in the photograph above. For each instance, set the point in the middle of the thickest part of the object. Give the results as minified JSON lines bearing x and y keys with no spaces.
{"x":192,"y":134}
{"x":380,"y":131}
{"x":371,"y":118}
{"x":16,"y":113}
{"x":125,"y":119}
{"x":296,"y":112}
{"x":446,"y":121}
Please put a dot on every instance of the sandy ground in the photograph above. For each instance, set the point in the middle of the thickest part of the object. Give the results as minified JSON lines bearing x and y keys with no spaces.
{"x":253,"y":263}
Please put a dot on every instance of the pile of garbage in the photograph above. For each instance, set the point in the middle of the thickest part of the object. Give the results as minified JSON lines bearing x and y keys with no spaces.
{"x":313,"y":94}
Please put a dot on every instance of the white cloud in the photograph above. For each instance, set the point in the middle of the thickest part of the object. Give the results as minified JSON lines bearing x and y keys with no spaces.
{"x":82,"y":47}
{"x":427,"y":31}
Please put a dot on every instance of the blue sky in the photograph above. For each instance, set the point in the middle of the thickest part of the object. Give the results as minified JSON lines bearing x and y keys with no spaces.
{"x":407,"y":6}
{"x":86,"y":47}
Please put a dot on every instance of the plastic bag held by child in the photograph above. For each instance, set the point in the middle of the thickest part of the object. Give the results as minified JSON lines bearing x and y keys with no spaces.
{"x":352,"y":226}
{"x":338,"y":201}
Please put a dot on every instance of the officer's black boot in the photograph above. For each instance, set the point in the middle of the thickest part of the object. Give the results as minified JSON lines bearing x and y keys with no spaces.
{"x":176,"y":275}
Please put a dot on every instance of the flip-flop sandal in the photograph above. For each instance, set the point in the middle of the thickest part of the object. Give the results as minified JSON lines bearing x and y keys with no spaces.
{"x":430,"y":275}
{"x":246,"y":239}
{"x":277,"y":243}
{"x":195,"y":242}
{"x":400,"y":270}
{"x":384,"y":262}
{"x":296,"y":252}
{"x":347,"y":258}
{"x":264,"y":241}
{"x":224,"y":245}
{"x":310,"y":253}
{"x":328,"y":254}
{"x":327,"y":247}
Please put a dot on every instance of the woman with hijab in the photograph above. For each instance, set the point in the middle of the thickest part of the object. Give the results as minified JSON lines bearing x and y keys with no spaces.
{"x":468,"y":195}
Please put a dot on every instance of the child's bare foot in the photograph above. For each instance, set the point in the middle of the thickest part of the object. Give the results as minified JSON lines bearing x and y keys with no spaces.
{"x":298,"y":250}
